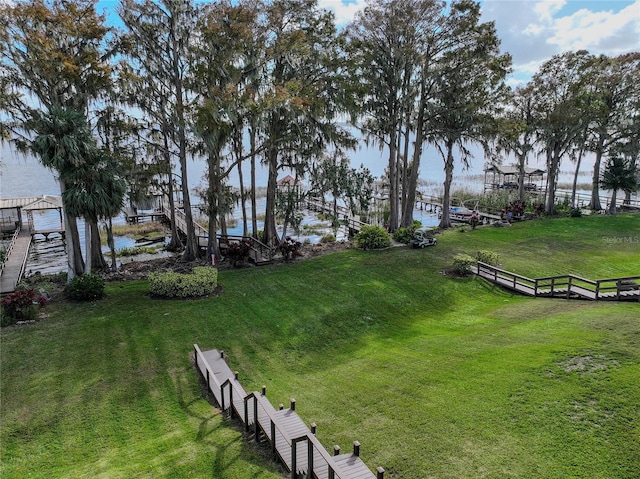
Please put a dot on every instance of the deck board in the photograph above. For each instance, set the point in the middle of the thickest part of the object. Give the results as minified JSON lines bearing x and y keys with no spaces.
{"x":287,"y":424}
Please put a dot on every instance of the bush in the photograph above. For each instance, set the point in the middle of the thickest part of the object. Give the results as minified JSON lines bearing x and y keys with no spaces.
{"x":403,"y":235}
{"x":289,"y":248}
{"x":137,"y":250}
{"x":372,"y":237}
{"x":201,"y":282}
{"x":463,"y":264}
{"x":575,"y":213}
{"x":488,"y":257}
{"x":328,"y":238}
{"x":87,"y":287}
{"x":238,"y":251}
{"x":20,"y":306}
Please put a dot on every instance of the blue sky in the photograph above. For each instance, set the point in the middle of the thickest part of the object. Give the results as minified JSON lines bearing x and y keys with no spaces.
{"x":534,"y":30}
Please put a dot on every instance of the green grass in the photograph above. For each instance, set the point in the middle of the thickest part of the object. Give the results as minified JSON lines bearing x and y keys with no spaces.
{"x":437,"y":377}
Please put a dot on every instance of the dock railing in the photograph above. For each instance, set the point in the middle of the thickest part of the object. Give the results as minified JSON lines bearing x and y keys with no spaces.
{"x":7,"y":252}
{"x":567,"y":285}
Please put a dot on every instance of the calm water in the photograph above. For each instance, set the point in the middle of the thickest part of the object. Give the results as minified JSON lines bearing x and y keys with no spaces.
{"x":24,"y":176}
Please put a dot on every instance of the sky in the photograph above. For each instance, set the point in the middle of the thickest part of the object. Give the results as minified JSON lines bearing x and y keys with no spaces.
{"x":532,"y":31}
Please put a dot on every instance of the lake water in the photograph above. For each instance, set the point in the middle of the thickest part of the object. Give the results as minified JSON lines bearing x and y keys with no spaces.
{"x":24,"y":176}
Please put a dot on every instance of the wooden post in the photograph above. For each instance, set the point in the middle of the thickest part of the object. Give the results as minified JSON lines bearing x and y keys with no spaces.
{"x":293,"y":404}
{"x":380,"y":472}
{"x":273,"y":439}
{"x":314,"y":427}
{"x":309,"y":458}
{"x":336,"y":450}
{"x":256,"y":425}
{"x":235,"y":375}
{"x":222,"y":354}
{"x":264,"y":390}
{"x":281,"y":407}
{"x":356,"y":448}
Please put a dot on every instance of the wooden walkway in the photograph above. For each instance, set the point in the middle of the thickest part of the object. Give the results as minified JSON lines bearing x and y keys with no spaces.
{"x":565,"y":286}
{"x":353,"y":223}
{"x":15,"y":261}
{"x":260,"y":253}
{"x":291,"y":442}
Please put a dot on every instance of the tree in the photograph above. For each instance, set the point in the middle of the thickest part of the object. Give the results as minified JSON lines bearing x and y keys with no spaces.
{"x":301,"y":99}
{"x":619,"y":174}
{"x":383,"y":43}
{"x":157,"y":38}
{"x":54,"y":66}
{"x":469,"y":85}
{"x":555,"y":90}
{"x":220,"y":75}
{"x":515,"y":131}
{"x":615,"y":95}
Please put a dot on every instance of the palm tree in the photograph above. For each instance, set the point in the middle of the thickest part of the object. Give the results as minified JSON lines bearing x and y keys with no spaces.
{"x":619,"y":174}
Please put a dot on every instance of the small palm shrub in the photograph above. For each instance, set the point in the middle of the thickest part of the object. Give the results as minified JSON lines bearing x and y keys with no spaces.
{"x":372,"y":237}
{"x":87,"y":287}
{"x":201,"y":282}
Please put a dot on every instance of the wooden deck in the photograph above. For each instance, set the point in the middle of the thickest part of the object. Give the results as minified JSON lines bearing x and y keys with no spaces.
{"x":15,"y":261}
{"x":291,"y":441}
{"x":564,"y":286}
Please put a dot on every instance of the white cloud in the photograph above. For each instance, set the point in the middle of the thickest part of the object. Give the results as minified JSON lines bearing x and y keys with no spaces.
{"x":344,"y":12}
{"x":587,"y":30}
{"x":534,"y":31}
{"x":547,"y":9}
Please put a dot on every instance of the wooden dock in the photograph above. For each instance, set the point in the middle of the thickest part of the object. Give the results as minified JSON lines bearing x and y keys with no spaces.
{"x":15,"y":261}
{"x":290,"y":440}
{"x":565,"y":286}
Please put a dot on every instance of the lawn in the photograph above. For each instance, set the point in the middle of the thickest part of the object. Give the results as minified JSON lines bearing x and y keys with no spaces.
{"x":437,"y":377}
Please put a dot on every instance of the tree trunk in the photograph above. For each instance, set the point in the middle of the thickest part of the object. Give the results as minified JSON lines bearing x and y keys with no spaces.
{"x":98,"y":263}
{"x":445,"y":221}
{"x":175,"y":243}
{"x":553,"y":163}
{"x":574,"y":187}
{"x":112,"y":245}
{"x":254,"y":207}
{"x":213,"y":193}
{"x":595,"y":189}
{"x":75,"y":264}
{"x":412,"y":184}
{"x":270,"y":234}
{"x":393,"y":192}
{"x":612,"y":206}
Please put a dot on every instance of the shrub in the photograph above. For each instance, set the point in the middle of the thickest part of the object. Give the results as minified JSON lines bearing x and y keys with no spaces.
{"x":87,"y":287}
{"x":20,"y":306}
{"x":328,"y":238}
{"x":575,"y":213}
{"x":372,"y":237}
{"x":201,"y":282}
{"x":463,"y":264}
{"x":404,"y":235}
{"x":488,"y":257}
{"x":238,"y":251}
{"x":137,"y":250}
{"x":289,"y":248}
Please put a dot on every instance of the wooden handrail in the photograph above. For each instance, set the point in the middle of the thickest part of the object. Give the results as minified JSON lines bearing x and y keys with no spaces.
{"x":574,"y":284}
{"x":11,"y":244}
{"x":262,"y":407}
